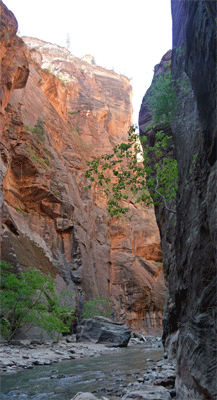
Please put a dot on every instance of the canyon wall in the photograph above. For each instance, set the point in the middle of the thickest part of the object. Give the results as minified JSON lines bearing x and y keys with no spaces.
{"x":58,"y":112}
{"x":191,"y":269}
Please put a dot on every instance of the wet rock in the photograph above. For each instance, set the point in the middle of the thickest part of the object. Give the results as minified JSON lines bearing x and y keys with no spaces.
{"x":103,"y":330}
{"x":173,"y":393}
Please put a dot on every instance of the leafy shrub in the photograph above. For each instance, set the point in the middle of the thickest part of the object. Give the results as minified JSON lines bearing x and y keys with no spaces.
{"x":49,"y":69}
{"x":38,"y":129}
{"x":29,"y":297}
{"x":97,"y":307}
{"x":59,"y":75}
{"x":62,"y":78}
{"x":163,"y":99}
{"x":44,"y":162}
{"x":73,"y":112}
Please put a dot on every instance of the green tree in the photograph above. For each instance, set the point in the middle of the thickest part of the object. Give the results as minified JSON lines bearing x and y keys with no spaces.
{"x":39,"y":129}
{"x":29,"y":297}
{"x":163,"y":99}
{"x":129,"y":174}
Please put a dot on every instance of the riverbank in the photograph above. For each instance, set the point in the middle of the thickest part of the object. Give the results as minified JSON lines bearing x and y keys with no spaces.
{"x":25,"y":354}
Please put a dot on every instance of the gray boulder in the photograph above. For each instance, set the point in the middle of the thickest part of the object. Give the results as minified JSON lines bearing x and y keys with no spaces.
{"x":103,"y":330}
{"x":148,"y":393}
{"x":84,"y":396}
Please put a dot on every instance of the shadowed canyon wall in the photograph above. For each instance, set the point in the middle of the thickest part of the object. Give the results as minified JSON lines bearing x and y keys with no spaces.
{"x":190,"y":314}
{"x":58,"y":112}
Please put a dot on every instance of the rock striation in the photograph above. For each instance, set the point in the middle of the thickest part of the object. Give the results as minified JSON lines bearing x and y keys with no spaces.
{"x":58,"y":112}
{"x":190,"y":314}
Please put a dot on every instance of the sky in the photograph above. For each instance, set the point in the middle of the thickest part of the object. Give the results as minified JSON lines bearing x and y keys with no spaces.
{"x":129,"y":36}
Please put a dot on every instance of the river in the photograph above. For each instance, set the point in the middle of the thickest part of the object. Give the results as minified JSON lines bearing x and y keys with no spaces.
{"x":106,"y":375}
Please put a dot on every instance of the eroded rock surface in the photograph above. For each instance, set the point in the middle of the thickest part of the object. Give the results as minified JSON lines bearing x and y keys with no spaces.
{"x":68,"y":111}
{"x":190,"y":315}
{"x":195,"y":138}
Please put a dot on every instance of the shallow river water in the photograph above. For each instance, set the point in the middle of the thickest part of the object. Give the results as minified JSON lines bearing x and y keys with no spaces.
{"x":105,"y":375}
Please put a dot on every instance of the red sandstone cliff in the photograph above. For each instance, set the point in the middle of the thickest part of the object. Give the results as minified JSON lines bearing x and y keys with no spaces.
{"x":49,"y":220}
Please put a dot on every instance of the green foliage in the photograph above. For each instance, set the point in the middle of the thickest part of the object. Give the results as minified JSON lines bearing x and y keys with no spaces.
{"x":77,"y":128}
{"x":73,"y":112}
{"x":38,"y":130}
{"x":59,"y":75}
{"x":163,"y":99}
{"x":34,"y":157}
{"x":123,"y":177}
{"x":39,"y":133}
{"x":97,"y":307}
{"x":29,"y":297}
{"x":62,"y":78}
{"x":161,"y":178}
{"x":49,"y":69}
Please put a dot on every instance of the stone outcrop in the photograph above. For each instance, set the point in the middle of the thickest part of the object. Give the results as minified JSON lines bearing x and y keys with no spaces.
{"x":190,"y":314}
{"x":103,"y":330}
{"x":163,"y":216}
{"x":68,"y":111}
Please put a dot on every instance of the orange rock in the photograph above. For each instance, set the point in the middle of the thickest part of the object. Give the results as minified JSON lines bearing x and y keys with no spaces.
{"x":51,"y":125}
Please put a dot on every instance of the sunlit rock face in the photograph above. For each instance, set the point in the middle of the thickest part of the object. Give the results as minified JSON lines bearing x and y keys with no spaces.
{"x":49,"y":220}
{"x":190,"y":314}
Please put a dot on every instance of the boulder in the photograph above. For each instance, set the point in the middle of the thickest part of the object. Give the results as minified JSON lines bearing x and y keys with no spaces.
{"x":103,"y":330}
{"x":84,"y":396}
{"x":149,"y":393}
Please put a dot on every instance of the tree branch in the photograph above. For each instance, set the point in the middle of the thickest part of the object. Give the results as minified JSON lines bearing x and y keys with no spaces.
{"x":163,"y":197}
